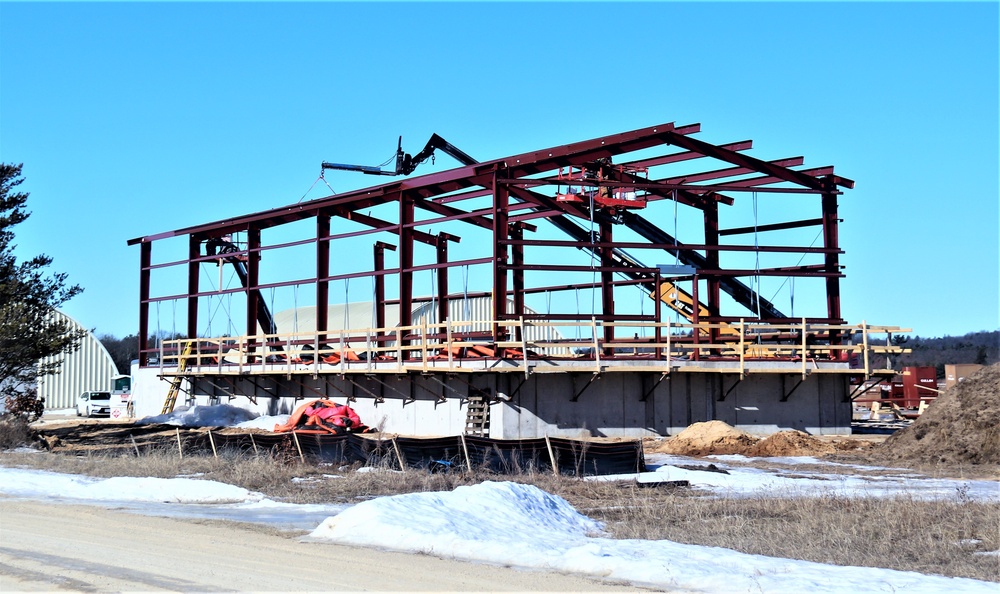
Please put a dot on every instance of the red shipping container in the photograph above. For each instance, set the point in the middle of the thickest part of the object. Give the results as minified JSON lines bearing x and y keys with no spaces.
{"x":918,"y":382}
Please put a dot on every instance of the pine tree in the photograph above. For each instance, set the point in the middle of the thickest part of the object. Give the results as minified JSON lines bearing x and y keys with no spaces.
{"x":28,"y":297}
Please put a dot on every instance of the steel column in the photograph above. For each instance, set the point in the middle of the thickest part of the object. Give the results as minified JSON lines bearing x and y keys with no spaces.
{"x":145,"y":261}
{"x":194,"y":251}
{"x":607,"y":280}
{"x":501,"y":197}
{"x":406,"y":217}
{"x":832,"y":260}
{"x":322,"y":272}
{"x":253,"y":279}
{"x":517,"y":258}
{"x":712,"y":261}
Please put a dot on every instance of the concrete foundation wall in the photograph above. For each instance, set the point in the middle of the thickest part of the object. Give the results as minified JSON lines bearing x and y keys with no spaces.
{"x":611,"y":405}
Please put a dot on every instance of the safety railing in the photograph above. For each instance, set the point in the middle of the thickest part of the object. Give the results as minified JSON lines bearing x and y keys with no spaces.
{"x":536,"y":346}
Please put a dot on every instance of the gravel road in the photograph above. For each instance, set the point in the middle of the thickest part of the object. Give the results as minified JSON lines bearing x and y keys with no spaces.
{"x":49,"y":547}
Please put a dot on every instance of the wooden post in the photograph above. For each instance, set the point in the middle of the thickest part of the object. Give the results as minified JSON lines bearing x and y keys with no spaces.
{"x":597,"y":346}
{"x":399,"y":455}
{"x":134,"y":445}
{"x":451,"y":356}
{"x":864,"y":339}
{"x":254,"y":444}
{"x":805,"y":348}
{"x":211,"y":440}
{"x":524,"y":345}
{"x":668,"y":343}
{"x":552,"y":456}
{"x":465,"y":450}
{"x":298,"y":446}
{"x":423,"y":340}
{"x":180,"y":452}
{"x":743,"y":348}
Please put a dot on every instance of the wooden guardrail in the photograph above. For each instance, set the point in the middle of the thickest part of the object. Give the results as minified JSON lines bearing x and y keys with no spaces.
{"x":446,"y":346}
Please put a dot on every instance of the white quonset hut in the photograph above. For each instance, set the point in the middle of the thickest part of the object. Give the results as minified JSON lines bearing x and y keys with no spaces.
{"x":88,"y":368}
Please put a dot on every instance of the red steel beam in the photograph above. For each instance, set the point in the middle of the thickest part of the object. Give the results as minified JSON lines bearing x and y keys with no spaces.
{"x":145,"y":261}
{"x":322,"y":271}
{"x":771,"y":227}
{"x":832,"y":262}
{"x":746,"y":161}
{"x":500,"y":256}
{"x":727,"y":172}
{"x":770,"y":179}
{"x":790,"y":249}
{"x":450,"y":180}
{"x":382,"y":225}
{"x":685,"y":155}
{"x":607,"y":278}
{"x":406,"y":213}
{"x":194,"y":251}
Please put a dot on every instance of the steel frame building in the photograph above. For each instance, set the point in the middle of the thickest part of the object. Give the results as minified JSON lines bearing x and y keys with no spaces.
{"x":591,"y":198}
{"x":516,"y":184}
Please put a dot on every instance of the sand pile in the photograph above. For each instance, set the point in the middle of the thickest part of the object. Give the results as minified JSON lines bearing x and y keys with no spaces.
{"x":717,"y":437}
{"x":790,"y":443}
{"x":711,"y":437}
{"x":961,"y":427}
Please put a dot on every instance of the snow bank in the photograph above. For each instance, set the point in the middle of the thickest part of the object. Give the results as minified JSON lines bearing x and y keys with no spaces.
{"x":520,"y":525}
{"x":219,"y":415}
{"x":485,"y":520}
{"x":19,"y":482}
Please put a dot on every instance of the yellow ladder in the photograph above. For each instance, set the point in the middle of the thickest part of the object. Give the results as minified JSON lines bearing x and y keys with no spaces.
{"x":175,"y":383}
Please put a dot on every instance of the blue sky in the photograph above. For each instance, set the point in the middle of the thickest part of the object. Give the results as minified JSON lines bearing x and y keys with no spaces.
{"x":133,"y":119}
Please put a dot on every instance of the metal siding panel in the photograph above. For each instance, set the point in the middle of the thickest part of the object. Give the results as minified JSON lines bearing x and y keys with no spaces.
{"x":88,"y":368}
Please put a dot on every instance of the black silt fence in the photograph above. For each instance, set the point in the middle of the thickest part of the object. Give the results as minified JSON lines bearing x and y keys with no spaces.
{"x":503,"y":456}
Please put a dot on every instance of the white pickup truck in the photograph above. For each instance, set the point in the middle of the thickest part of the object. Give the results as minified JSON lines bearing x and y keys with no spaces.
{"x":90,"y":404}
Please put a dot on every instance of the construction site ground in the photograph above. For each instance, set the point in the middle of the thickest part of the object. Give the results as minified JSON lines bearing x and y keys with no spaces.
{"x":74,"y":436}
{"x":957,"y":436}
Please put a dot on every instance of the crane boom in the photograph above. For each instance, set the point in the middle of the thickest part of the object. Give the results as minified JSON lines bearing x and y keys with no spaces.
{"x":406,"y":163}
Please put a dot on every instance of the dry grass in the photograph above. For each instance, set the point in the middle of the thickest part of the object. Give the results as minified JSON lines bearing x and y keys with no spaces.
{"x":904,"y":533}
{"x":899,"y":533}
{"x":14,"y":432}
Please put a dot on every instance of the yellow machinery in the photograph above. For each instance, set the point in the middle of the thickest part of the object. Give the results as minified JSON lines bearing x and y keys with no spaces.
{"x":683,"y":303}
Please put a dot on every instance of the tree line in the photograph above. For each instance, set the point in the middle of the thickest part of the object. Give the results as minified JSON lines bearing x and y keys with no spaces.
{"x":982,"y":348}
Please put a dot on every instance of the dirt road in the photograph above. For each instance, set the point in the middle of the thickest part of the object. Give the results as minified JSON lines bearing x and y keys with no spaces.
{"x":46,"y":547}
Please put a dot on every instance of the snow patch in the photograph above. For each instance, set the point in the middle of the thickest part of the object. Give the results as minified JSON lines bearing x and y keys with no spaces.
{"x":219,"y":415}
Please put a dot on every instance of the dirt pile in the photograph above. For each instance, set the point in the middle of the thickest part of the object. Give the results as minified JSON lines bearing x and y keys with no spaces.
{"x":717,"y":437}
{"x":961,"y":426}
{"x":790,"y":443}
{"x":711,"y":437}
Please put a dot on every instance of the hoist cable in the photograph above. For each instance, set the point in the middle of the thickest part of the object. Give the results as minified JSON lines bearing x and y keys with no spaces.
{"x":803,"y":257}
{"x":756,"y":252}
